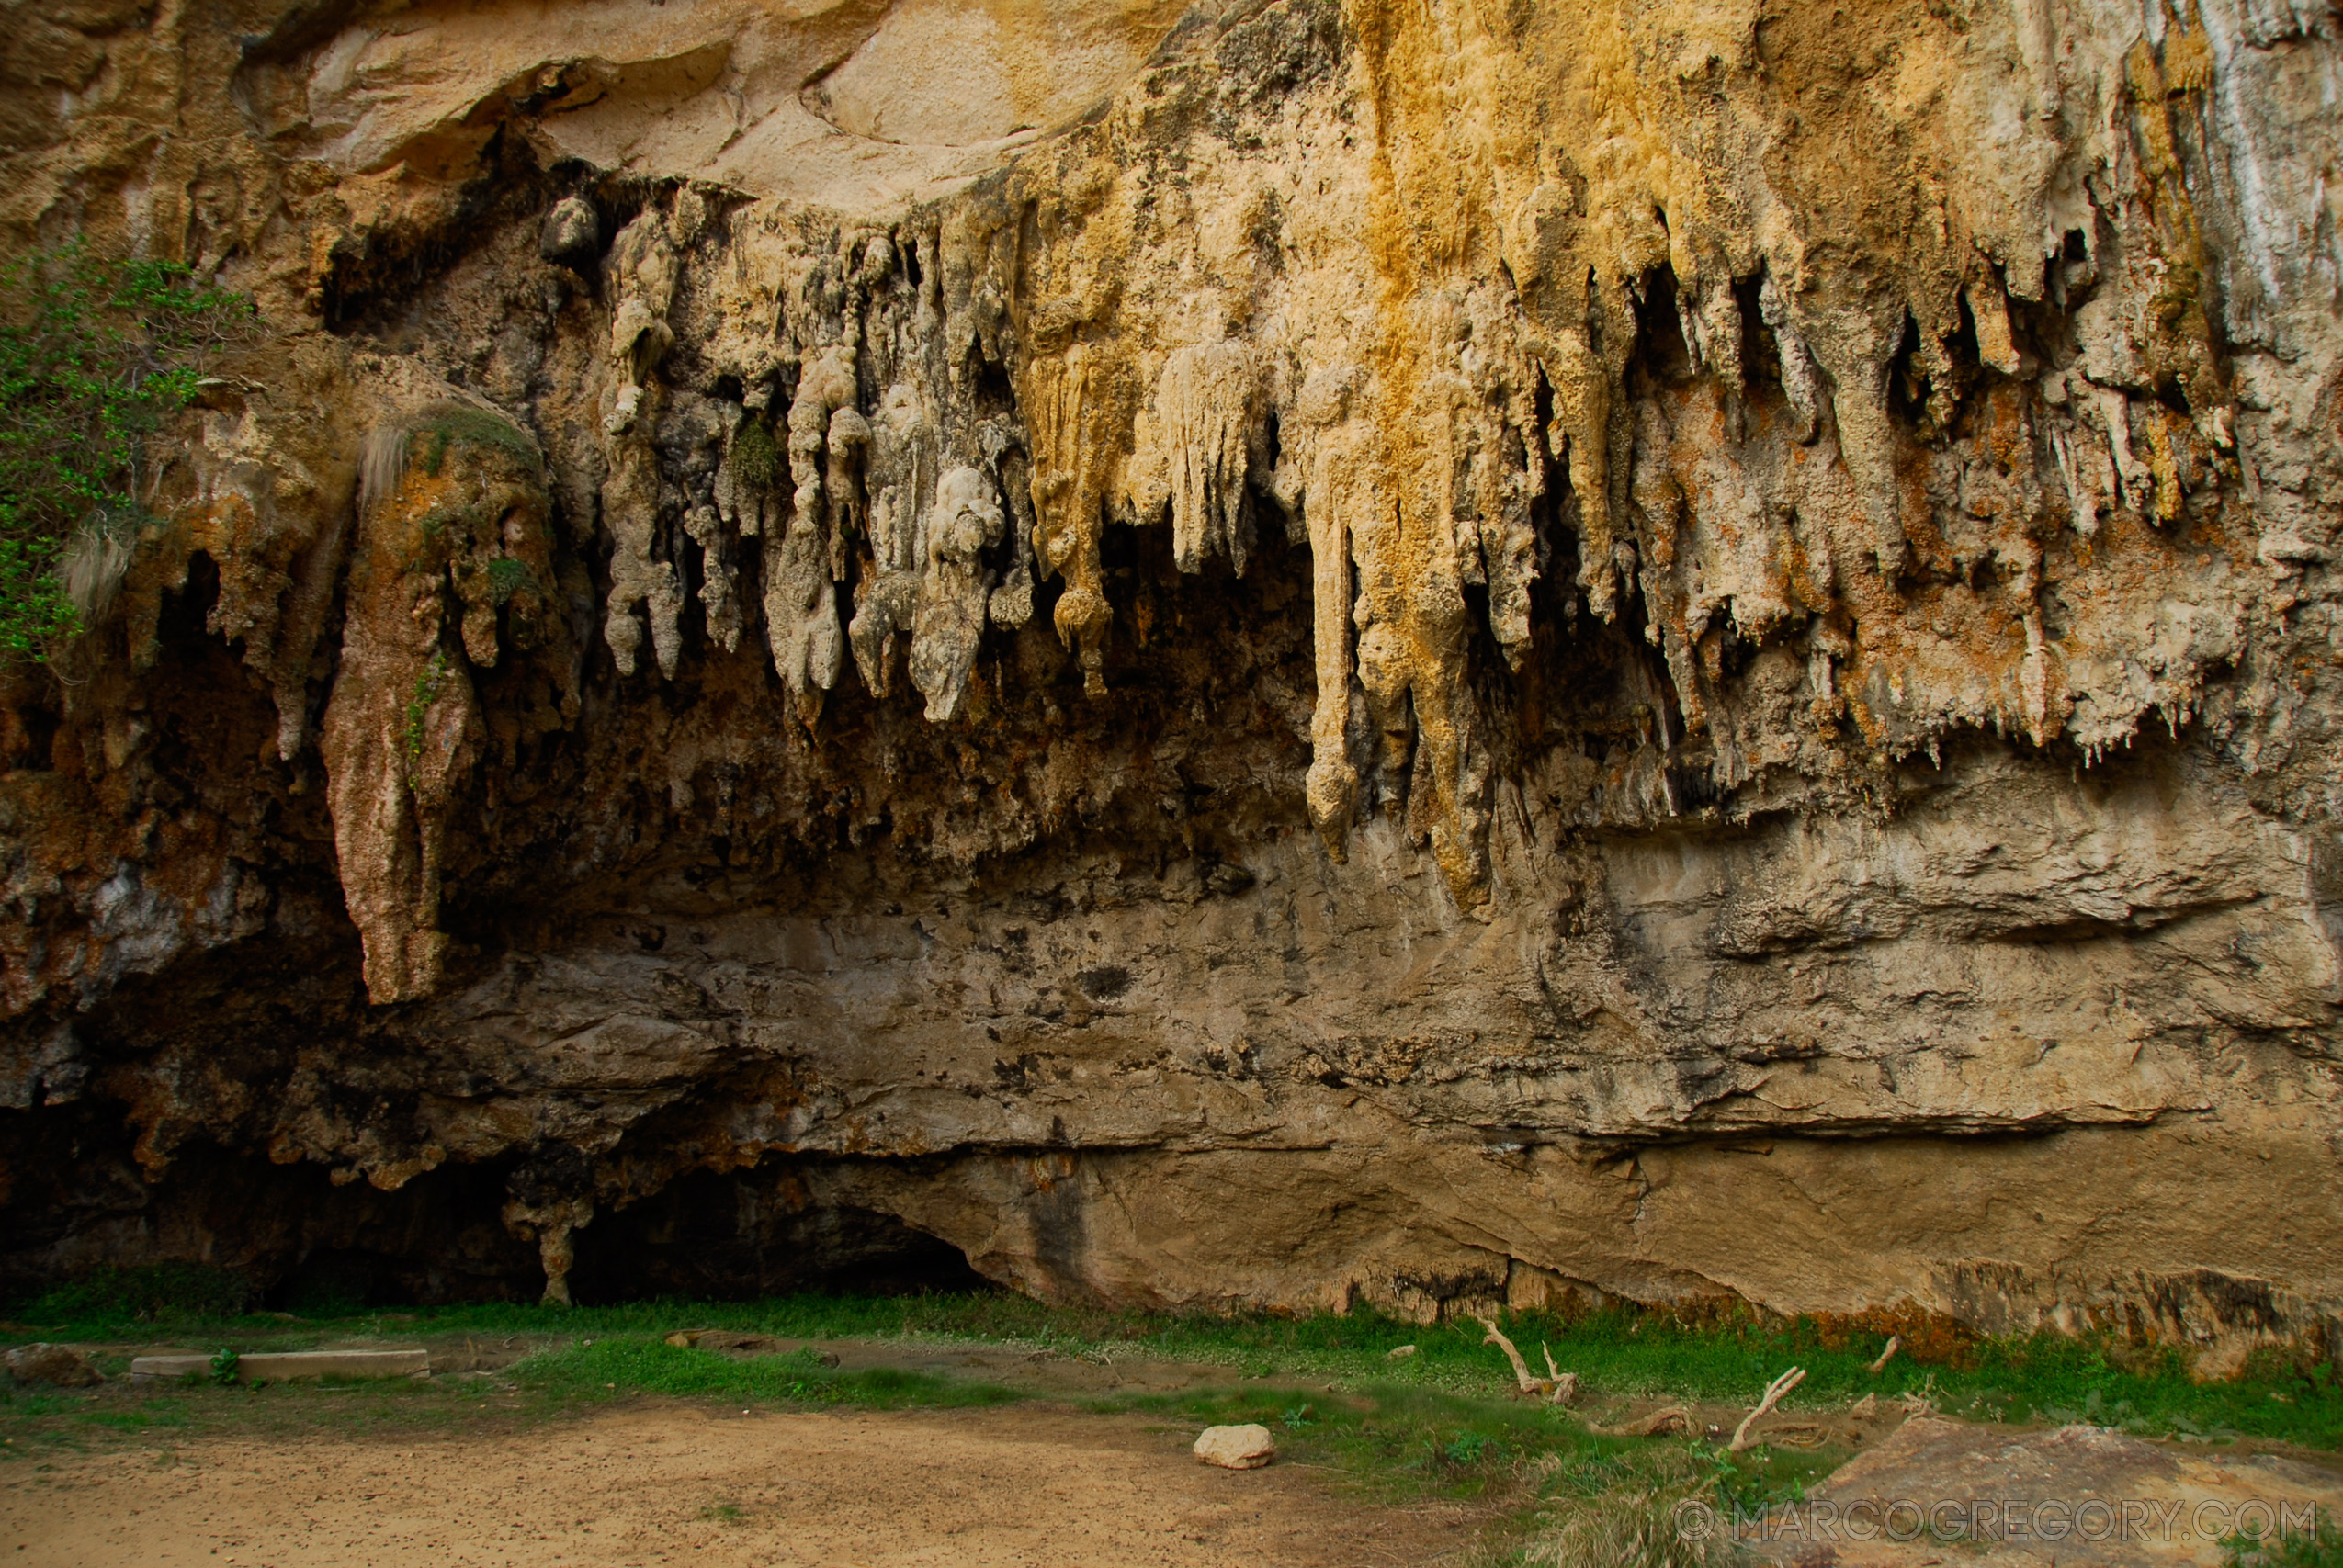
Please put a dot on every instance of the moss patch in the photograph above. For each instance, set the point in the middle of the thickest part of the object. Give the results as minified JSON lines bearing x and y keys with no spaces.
{"x":449,"y":426}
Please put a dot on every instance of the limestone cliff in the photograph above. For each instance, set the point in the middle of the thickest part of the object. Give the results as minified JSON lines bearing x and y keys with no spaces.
{"x":1305,"y":652}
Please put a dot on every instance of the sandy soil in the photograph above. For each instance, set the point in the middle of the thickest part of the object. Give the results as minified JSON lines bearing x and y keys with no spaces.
{"x":658,"y":1483}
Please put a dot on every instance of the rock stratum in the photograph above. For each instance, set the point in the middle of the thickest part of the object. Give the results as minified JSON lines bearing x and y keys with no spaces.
{"x":1400,"y":653}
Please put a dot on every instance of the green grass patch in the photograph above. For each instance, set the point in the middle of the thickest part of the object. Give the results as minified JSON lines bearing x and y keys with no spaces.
{"x":454,"y":425}
{"x":2321,"y":1547}
{"x":1441,"y":1423}
{"x":1406,"y":1441}
{"x":569,"y":1376}
{"x":610,"y":1367}
{"x":1620,"y":1355}
{"x":508,"y":577}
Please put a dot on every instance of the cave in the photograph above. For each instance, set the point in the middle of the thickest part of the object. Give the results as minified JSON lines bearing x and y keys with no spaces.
{"x":1356,"y":659}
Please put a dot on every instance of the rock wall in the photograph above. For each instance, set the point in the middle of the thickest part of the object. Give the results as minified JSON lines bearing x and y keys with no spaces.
{"x":1396,"y":652}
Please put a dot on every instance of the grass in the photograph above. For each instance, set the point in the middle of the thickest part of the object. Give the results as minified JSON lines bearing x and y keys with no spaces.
{"x":110,"y":1298}
{"x":1442,"y":1422}
{"x":1616,"y":1511}
{"x":508,"y":577}
{"x":636,"y":1364}
{"x":2320,"y":1548}
{"x":2047,"y":1379}
{"x":450,"y":424}
{"x":1398,"y":1442}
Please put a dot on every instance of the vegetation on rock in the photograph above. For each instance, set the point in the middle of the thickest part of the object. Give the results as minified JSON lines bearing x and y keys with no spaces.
{"x":96,"y":352}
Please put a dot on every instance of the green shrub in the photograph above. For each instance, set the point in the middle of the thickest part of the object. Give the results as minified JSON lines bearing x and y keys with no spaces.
{"x":96,"y":354}
{"x":508,"y":577}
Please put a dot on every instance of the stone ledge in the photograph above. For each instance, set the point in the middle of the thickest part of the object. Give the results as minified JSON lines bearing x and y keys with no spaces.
{"x":277,"y":1365}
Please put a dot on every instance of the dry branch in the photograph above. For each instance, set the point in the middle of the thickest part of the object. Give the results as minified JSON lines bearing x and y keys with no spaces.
{"x":1566,"y":1384}
{"x":1673,"y":1418}
{"x":1561,"y":1388}
{"x":1497,"y":1337}
{"x":1773,"y":1392}
{"x":1895,"y":1343}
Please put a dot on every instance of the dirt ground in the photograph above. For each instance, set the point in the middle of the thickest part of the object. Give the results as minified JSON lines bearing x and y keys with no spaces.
{"x":659,"y":1483}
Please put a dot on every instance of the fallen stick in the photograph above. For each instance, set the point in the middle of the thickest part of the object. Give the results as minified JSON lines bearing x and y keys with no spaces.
{"x":1675,"y":1418}
{"x":1773,"y":1392}
{"x":1496,"y":1338}
{"x":1561,"y":1388}
{"x":1895,"y":1343}
{"x":1566,"y":1384}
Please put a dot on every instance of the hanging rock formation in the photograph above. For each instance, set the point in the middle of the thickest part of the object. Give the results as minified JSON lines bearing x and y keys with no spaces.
{"x":451,"y":518}
{"x":1300,"y":653}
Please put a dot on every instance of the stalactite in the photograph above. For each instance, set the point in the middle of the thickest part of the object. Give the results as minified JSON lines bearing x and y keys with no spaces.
{"x":642,"y":269}
{"x":1330,"y":480}
{"x":946,"y":409}
{"x":1072,"y":403}
{"x":453,"y":524}
{"x":1196,"y":448}
{"x":802,"y":560}
{"x":950,"y":613}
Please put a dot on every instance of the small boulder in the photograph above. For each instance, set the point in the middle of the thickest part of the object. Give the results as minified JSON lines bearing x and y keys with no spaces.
{"x":1237,"y":1448}
{"x":60,"y":1365}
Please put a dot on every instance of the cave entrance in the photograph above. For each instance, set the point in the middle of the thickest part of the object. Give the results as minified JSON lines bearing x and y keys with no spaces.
{"x":741,"y":1235}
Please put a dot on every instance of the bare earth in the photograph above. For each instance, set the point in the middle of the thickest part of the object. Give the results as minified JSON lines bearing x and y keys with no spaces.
{"x":659,"y":1483}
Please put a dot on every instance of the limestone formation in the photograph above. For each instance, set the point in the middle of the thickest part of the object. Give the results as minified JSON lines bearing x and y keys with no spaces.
{"x":1306,"y":653}
{"x":452,"y":517}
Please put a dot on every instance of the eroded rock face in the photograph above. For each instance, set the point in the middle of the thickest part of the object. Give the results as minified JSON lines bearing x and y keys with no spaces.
{"x":1298,"y":655}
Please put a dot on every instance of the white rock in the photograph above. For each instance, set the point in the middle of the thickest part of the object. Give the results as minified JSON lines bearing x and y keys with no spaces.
{"x":1237,"y":1448}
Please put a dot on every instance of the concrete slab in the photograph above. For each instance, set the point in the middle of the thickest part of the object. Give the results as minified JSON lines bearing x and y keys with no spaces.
{"x":276,"y":1366}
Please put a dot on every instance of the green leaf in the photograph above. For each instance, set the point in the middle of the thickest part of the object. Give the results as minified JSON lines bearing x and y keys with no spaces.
{"x":96,"y":353}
